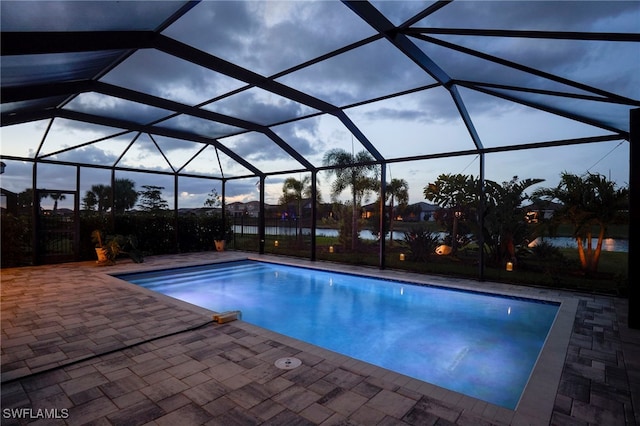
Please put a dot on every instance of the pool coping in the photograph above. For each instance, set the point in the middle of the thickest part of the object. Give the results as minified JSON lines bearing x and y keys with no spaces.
{"x":537,"y":401}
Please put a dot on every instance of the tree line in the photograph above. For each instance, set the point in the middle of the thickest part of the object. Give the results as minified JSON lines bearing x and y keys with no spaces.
{"x":588,"y":203}
{"x":124,"y":196}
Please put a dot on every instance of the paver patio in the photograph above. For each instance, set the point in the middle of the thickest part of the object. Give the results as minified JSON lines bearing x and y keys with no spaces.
{"x":87,"y":348}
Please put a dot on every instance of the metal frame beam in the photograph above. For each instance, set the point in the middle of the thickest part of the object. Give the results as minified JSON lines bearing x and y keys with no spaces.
{"x":634,"y":209}
{"x":41,"y":91}
{"x":47,"y":42}
{"x":143,"y":128}
{"x":402,"y":42}
{"x":554,"y":35}
{"x":525,"y":68}
{"x":556,"y":111}
{"x":204,"y":59}
{"x":51,"y":97}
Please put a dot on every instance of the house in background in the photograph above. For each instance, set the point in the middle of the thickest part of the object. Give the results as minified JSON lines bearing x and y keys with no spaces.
{"x":417,"y":212}
{"x":540,"y":211}
{"x":237,"y":209}
{"x":9,"y":201}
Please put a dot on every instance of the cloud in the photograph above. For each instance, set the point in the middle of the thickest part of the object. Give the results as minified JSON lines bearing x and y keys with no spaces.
{"x":565,"y":57}
{"x":532,"y":15}
{"x":376,"y":69}
{"x":99,"y":104}
{"x":254,"y":147}
{"x":263,"y":152}
{"x":303,"y":136}
{"x":169,"y":77}
{"x":396,"y":114}
{"x":199,"y":126}
{"x":268,"y":37}
{"x":259,"y":106}
{"x":89,"y":155}
{"x":85,"y":15}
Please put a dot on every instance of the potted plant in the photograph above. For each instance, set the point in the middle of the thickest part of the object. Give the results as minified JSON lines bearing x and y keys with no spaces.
{"x":109,"y":248}
{"x":221,"y":232}
{"x":220,"y":227}
{"x":101,"y":251}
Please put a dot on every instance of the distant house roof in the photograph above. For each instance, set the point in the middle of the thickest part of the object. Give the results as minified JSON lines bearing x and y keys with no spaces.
{"x":426,"y":207}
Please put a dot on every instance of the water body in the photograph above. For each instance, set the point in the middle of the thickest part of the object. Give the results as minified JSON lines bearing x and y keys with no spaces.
{"x":609,"y":244}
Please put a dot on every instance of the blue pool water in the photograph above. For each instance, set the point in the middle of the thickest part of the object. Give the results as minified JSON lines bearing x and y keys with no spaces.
{"x":478,"y":344}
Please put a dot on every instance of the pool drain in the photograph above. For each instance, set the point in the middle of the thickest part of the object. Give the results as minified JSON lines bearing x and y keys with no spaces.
{"x":288,"y":363}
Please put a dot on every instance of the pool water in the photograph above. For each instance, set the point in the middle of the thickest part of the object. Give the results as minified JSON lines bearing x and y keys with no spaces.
{"x":478,"y":344}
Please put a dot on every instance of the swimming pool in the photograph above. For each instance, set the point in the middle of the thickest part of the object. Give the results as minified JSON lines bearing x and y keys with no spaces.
{"x":477,"y":344}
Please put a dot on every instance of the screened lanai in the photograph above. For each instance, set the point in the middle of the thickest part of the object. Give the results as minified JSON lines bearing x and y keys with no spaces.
{"x":240,"y":96}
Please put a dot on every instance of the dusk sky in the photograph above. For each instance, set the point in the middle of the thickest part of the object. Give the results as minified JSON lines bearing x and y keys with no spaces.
{"x":271,"y":37}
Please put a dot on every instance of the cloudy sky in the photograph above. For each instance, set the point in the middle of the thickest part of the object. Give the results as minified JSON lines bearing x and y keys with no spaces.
{"x":270,"y":38}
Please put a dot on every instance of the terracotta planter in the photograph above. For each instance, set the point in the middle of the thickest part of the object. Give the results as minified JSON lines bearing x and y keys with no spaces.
{"x":219,"y":245}
{"x":102,"y":255}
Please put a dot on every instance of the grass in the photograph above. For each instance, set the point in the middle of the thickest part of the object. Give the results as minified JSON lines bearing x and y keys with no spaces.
{"x":618,"y":231}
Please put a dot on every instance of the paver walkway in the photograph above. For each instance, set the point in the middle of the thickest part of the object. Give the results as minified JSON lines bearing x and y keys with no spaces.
{"x":86,"y":348}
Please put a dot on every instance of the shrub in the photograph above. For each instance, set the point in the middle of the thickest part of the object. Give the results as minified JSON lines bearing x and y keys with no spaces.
{"x":421,"y":242}
{"x":546,"y":258}
{"x":16,"y":240}
{"x":544,"y":250}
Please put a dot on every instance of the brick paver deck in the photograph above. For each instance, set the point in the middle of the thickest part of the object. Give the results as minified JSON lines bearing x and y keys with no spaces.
{"x":85,"y":348}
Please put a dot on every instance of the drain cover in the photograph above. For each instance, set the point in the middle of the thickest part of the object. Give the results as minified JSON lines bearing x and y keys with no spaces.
{"x":288,"y":363}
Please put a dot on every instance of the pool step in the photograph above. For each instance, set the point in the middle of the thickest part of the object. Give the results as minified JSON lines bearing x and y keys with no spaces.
{"x":185,"y":276}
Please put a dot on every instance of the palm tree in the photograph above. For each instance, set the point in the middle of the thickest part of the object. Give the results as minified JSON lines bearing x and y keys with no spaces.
{"x":125,"y":195}
{"x":99,"y":196}
{"x":455,"y":193}
{"x":588,"y":202}
{"x":294,"y":190}
{"x":56,"y":196}
{"x":398,"y":190}
{"x":355,"y":172}
{"x":505,"y":217}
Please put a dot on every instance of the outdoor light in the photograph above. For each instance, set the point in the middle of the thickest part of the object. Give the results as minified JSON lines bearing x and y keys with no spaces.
{"x":401,"y":256}
{"x":509,"y":266}
{"x":275,"y":243}
{"x":330,"y":249}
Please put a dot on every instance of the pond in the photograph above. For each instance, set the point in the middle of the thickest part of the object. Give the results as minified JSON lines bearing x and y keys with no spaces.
{"x":609,"y":244}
